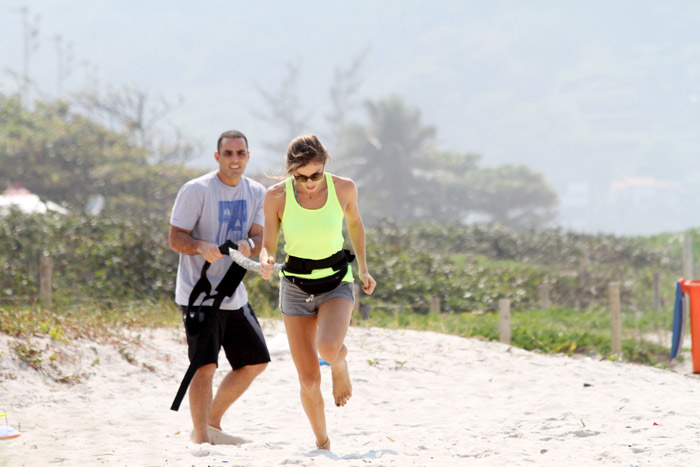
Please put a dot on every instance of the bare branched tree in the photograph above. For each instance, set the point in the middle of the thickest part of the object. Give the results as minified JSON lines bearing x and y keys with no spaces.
{"x":383,"y":155}
{"x":343,"y":93}
{"x":133,"y":111}
{"x":284,"y":111}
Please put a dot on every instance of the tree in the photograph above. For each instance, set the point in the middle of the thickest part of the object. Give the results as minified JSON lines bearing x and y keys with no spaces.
{"x":65,"y":157}
{"x":342,"y":94}
{"x":52,"y":152}
{"x":448,"y":196}
{"x":385,"y":158}
{"x":514,"y":196}
{"x":133,"y":112}
{"x":284,"y":111}
{"x":392,"y":159}
{"x":510,"y":195}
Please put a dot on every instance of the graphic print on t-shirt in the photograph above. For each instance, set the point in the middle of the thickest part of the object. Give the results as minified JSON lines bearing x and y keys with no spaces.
{"x":232,"y":218}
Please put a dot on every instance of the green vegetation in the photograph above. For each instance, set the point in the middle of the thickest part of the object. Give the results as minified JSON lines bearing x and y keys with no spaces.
{"x":470,"y":267}
{"x":116,"y":270}
{"x":554,"y":330}
{"x":63,"y":156}
{"x":90,"y":320}
{"x":99,"y":290}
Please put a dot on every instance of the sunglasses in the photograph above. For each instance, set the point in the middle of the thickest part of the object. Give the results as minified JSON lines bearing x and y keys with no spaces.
{"x":313,"y":177}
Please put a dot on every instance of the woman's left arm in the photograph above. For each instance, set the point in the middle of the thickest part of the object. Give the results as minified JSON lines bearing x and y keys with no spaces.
{"x":356,"y":230}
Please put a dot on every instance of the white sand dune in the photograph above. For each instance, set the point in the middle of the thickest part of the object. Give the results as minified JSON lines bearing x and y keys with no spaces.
{"x":420,"y":399}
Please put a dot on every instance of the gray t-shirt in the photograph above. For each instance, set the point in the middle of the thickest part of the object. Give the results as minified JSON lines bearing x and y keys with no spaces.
{"x":215,"y":212}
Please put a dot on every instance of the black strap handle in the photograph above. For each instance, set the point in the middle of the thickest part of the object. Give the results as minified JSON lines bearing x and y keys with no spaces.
{"x":226,"y":288}
{"x":226,"y":245}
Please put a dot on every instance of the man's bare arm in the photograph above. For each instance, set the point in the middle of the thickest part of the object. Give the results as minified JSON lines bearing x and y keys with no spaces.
{"x":182,"y":241}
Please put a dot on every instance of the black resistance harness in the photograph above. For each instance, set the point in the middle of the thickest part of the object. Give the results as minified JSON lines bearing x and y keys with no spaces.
{"x":226,"y":288}
{"x":338,"y":262}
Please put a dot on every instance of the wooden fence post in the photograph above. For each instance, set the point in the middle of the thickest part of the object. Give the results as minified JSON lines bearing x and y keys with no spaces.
{"x":435,"y":305}
{"x":656,"y":287}
{"x":45,"y":287}
{"x":615,"y":325}
{"x":545,"y":301}
{"x":504,"y":320}
{"x":687,"y":257}
{"x":364,"y":311}
{"x":361,"y":308}
{"x":687,"y":269}
{"x":356,"y":307}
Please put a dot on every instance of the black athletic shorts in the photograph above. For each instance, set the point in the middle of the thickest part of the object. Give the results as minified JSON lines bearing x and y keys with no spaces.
{"x":237,"y":331}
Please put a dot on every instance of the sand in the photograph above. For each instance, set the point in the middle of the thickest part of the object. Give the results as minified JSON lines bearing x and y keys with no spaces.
{"x":419,"y":399}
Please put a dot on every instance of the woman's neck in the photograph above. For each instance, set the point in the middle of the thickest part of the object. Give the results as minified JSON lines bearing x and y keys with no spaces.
{"x":310,"y":198}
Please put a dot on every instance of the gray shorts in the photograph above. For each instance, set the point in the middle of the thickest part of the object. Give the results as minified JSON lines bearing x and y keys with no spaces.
{"x":296,"y":302}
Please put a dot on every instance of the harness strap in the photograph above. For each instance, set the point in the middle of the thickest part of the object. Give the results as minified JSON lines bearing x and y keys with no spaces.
{"x":319,"y":286}
{"x":226,"y":288}
{"x":337,"y":261}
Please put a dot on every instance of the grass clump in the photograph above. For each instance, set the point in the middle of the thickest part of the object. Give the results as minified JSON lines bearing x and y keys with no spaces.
{"x":90,"y":320}
{"x":554,"y":330}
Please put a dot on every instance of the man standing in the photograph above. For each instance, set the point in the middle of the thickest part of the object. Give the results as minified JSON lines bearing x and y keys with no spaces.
{"x":208,"y":211}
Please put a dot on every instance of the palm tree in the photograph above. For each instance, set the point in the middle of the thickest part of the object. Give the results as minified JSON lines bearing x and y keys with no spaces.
{"x":385,"y":158}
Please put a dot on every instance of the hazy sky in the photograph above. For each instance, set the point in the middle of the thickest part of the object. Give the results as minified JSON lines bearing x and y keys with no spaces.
{"x":589,"y":93}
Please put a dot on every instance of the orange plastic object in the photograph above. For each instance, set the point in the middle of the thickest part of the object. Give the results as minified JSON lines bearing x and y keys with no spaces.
{"x":692,"y":288}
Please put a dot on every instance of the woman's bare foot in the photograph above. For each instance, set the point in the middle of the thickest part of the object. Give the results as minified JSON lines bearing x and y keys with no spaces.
{"x":325,"y":446}
{"x":342,"y":387}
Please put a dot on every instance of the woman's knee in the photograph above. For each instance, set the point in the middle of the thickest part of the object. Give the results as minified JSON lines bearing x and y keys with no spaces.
{"x":310,"y":381}
{"x":328,"y":349}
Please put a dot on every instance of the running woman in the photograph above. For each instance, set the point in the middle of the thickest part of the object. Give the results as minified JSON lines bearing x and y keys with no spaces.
{"x":316,"y":288}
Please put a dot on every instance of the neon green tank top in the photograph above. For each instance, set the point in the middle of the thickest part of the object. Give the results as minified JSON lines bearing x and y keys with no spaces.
{"x":313,"y":233}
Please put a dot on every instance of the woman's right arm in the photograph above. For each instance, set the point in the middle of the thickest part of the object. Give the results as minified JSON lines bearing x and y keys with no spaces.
{"x":273,"y":207}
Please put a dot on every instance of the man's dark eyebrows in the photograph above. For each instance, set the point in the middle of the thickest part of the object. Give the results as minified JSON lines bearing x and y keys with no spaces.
{"x":228,"y":152}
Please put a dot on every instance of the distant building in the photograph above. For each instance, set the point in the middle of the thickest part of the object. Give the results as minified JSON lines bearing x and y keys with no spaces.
{"x":26,"y":201}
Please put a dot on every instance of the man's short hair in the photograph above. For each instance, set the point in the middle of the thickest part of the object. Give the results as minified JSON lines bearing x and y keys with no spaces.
{"x":231,"y":134}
